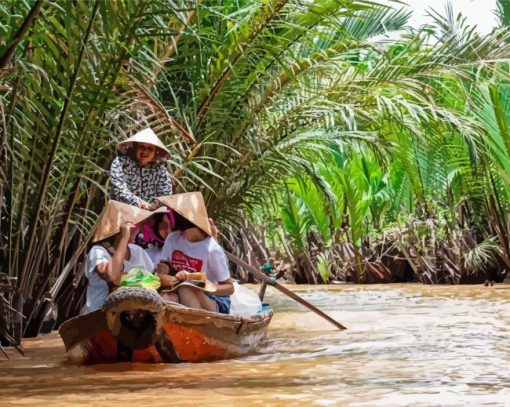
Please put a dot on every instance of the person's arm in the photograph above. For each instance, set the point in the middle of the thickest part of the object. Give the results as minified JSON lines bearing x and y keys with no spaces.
{"x":112,"y":270}
{"x":214,"y":229}
{"x":163,"y":267}
{"x":168,"y":281}
{"x":218,"y":269}
{"x":225,"y":287}
{"x":119,"y":187}
{"x":97,"y":256}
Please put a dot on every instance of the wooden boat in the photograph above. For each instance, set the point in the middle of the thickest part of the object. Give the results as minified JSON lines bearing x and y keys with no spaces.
{"x":137,"y":325}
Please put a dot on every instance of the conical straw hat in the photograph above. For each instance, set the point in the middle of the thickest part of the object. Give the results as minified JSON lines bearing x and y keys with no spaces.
{"x":145,"y":136}
{"x":191,"y":206}
{"x":116,"y":214}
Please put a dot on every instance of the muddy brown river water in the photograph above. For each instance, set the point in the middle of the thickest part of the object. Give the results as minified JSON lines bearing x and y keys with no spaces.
{"x":406,"y":345}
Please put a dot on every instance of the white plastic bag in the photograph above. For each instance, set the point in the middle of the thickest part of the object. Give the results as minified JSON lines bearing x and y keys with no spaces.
{"x":244,"y":302}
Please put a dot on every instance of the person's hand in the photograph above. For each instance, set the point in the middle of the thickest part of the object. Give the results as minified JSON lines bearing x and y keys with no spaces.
{"x":182,"y":275}
{"x":125,"y":231}
{"x":162,"y":268}
{"x":145,"y":205}
{"x":153,"y":206}
{"x":168,"y":281}
{"x":214,"y":229}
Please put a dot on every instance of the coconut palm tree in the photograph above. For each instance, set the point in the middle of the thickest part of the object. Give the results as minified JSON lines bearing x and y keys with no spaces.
{"x":433,"y":156}
{"x":246,"y":94}
{"x":67,"y":85}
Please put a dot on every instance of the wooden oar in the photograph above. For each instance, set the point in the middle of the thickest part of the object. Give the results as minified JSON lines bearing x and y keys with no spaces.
{"x":283,"y":289}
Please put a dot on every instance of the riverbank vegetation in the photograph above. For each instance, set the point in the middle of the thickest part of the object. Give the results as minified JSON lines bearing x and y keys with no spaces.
{"x":353,"y":146}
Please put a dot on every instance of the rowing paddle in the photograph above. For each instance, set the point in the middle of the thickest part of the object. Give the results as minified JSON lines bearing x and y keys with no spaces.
{"x":283,"y":289}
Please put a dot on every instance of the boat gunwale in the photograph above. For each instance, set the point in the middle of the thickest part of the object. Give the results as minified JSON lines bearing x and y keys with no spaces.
{"x":70,"y":337}
{"x":181,"y":309}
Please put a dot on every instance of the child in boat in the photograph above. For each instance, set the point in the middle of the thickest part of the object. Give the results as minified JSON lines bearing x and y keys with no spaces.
{"x":192,"y":249}
{"x":113,"y":253}
{"x":137,"y":177}
{"x":154,"y":236}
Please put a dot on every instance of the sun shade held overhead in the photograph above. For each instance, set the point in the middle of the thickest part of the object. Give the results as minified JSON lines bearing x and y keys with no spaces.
{"x":116,"y":214}
{"x":191,"y":206}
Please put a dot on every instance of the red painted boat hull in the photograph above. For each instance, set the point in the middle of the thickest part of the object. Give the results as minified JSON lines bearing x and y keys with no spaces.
{"x":184,"y":335}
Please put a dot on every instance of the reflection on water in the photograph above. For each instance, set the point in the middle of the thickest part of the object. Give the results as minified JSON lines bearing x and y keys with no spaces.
{"x":406,"y":345}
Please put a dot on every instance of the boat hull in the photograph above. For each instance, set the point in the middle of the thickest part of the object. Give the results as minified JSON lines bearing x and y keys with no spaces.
{"x":169,"y":333}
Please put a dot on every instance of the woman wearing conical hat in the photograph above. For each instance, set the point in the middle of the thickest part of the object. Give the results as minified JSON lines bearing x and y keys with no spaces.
{"x":191,"y":249}
{"x":137,"y":175}
{"x":113,"y":252}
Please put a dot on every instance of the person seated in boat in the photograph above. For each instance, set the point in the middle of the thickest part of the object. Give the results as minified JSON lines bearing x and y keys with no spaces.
{"x":153,"y":236}
{"x":190,"y":249}
{"x":137,"y":175}
{"x":113,"y":252}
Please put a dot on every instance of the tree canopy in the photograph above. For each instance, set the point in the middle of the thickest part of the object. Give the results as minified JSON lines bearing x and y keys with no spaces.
{"x":325,"y":125}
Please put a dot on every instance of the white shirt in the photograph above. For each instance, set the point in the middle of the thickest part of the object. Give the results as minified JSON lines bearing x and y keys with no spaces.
{"x":155,"y":254}
{"x":97,"y":290}
{"x":205,"y":256}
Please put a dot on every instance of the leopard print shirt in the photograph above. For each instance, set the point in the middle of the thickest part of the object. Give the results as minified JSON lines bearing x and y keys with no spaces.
{"x":132,"y":184}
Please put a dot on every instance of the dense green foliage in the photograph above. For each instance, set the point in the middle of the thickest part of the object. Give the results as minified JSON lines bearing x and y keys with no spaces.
{"x":427,"y":180}
{"x":324,"y":128}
